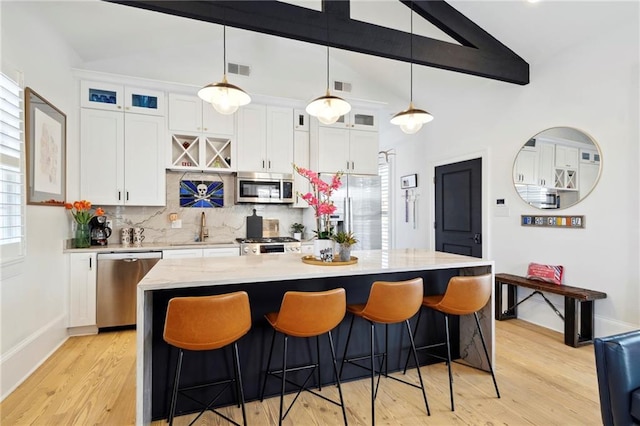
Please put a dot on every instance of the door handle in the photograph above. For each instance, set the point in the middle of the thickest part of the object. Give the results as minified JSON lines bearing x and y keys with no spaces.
{"x":477,"y":238}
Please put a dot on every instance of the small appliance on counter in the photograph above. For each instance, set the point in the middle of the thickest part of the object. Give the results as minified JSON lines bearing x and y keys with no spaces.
{"x":100,"y":232}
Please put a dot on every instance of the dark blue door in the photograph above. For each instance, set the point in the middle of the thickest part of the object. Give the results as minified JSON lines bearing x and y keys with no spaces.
{"x":458,"y":225}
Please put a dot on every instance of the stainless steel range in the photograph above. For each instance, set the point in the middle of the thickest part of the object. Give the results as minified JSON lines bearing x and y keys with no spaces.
{"x":275,"y":245}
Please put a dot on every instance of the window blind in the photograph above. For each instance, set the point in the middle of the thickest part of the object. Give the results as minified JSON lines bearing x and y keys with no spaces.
{"x":12,"y":187}
{"x":384,"y":172}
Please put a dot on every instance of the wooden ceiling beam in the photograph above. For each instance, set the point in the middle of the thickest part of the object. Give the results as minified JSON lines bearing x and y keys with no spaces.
{"x":478,"y":54}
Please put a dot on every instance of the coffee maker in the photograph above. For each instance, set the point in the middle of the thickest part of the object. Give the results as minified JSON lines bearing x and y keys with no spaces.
{"x":99,"y":230}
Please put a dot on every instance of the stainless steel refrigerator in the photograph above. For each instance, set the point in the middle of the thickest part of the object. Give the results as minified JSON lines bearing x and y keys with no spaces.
{"x":359,"y":210}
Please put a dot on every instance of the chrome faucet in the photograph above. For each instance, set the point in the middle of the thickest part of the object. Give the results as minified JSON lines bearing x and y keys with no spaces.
{"x":204,"y":232}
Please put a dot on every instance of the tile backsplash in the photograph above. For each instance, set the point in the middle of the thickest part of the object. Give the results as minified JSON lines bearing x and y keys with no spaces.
{"x":224,"y":224}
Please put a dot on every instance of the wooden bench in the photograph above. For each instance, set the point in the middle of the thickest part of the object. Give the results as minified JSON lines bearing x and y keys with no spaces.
{"x":578,"y":305}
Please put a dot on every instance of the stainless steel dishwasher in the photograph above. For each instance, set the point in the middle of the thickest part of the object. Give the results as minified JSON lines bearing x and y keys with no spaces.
{"x":118,"y":277}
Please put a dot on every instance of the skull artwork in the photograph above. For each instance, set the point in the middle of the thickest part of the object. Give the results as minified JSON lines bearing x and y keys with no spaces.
{"x":202,"y":191}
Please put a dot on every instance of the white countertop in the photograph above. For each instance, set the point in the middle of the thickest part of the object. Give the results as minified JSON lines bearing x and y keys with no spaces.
{"x":200,"y":272}
{"x":149,"y":247}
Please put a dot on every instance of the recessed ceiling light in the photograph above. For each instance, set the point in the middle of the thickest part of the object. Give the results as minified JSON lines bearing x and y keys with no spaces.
{"x":533,"y":1}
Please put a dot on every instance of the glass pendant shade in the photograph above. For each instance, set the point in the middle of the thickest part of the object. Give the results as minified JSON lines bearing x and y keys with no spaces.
{"x":411,"y":119}
{"x":328,"y":108}
{"x":225,"y":97}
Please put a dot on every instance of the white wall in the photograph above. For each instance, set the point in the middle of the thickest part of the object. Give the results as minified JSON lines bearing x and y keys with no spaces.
{"x":34,"y":292}
{"x":593,"y":87}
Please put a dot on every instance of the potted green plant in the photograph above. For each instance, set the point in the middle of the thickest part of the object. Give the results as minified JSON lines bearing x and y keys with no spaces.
{"x":346,"y":240}
{"x":297,"y":229}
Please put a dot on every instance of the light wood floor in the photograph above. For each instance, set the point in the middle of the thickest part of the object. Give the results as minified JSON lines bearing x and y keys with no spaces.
{"x":91,"y":380}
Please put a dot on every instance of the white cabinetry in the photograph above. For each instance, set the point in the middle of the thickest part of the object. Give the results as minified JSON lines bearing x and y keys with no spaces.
{"x":350,"y":151}
{"x":350,"y":146}
{"x":201,"y":252}
{"x":566,"y":167}
{"x":301,"y":159}
{"x":221,"y":252}
{"x":115,"y":97}
{"x":525,"y":167}
{"x":546,"y":160}
{"x":357,"y":119}
{"x":265,"y":139}
{"x":189,"y":114}
{"x":122,"y":158}
{"x":82,"y":289}
{"x":201,"y":138}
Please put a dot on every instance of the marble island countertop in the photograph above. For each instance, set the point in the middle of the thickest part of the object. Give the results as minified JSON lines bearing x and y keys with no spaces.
{"x":68,"y":248}
{"x":197,"y":272}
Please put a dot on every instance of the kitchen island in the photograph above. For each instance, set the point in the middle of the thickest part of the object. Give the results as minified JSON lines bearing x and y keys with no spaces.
{"x":266,"y":278}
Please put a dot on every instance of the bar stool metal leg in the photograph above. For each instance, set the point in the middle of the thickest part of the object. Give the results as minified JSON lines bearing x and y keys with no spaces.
{"x":446,"y":328}
{"x":236,"y":360}
{"x":346,"y":346}
{"x":284,"y":377}
{"x":486,"y":353}
{"x":415,"y":358}
{"x":335,"y":371}
{"x":174,"y":392}
{"x":266,"y":374}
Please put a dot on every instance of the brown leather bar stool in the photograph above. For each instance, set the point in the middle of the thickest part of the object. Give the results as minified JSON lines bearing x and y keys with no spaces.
{"x":207,"y":323}
{"x":464,"y":296}
{"x":306,"y":314}
{"x":388,"y":303}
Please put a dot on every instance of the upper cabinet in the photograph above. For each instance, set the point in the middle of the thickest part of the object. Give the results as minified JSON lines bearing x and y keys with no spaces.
{"x":566,"y":167}
{"x":122,"y":149}
{"x":301,"y":156}
{"x":357,"y":119}
{"x":190,"y":114}
{"x":114,"y":97}
{"x":201,"y":138}
{"x":122,"y":160}
{"x":351,"y":148}
{"x":265,"y":139}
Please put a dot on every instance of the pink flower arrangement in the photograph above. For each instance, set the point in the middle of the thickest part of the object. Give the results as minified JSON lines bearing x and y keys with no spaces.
{"x":320,"y":198}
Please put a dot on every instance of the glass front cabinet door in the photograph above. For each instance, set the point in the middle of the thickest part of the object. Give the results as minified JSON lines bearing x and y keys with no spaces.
{"x":114,"y":97}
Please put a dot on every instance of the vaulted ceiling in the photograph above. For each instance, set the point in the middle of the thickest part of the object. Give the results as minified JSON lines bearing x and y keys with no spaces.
{"x":477,"y":52}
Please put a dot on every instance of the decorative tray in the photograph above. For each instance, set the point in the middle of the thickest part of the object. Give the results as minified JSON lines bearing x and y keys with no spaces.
{"x":313,"y":261}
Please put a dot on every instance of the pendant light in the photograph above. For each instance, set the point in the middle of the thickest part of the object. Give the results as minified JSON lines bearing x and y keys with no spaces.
{"x":411,"y":119}
{"x":328,"y":108}
{"x":224,"y":96}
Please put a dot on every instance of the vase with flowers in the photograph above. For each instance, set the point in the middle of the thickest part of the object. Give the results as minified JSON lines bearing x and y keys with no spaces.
{"x":320,"y":200}
{"x":82,"y":213}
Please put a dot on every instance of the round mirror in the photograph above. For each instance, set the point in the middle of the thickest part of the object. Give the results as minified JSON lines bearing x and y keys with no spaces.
{"x":557,"y":168}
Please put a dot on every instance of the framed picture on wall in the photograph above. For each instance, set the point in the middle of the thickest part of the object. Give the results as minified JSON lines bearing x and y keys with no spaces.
{"x":46,"y":144}
{"x":409,"y":181}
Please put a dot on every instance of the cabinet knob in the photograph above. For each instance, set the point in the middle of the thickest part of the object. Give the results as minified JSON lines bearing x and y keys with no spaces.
{"x":119,"y":107}
{"x":206,"y":129}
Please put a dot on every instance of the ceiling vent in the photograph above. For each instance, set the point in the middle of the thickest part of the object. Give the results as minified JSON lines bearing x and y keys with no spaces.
{"x":238,"y":69}
{"x":341,"y":86}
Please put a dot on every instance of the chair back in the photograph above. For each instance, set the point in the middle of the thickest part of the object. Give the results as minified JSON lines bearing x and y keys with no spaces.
{"x":207,"y":322}
{"x":466,"y":295}
{"x":393,"y":301}
{"x":618,"y":371}
{"x":307,"y":314}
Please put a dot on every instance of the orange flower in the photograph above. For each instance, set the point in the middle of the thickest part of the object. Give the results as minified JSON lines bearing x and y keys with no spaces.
{"x":82,"y":213}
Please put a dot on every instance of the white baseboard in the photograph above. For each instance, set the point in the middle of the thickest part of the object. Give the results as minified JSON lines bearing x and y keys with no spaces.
{"x":23,"y":359}
{"x":536,"y":311}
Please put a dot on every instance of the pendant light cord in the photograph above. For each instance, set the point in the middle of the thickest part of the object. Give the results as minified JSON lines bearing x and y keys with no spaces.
{"x":327,"y":27}
{"x":411,"y":54}
{"x":224,"y":49}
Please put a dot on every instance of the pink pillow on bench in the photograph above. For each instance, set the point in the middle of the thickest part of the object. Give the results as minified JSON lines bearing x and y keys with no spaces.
{"x":548,"y":273}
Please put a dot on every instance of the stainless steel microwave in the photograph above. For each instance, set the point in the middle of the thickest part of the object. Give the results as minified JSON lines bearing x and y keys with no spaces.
{"x":264,"y":188}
